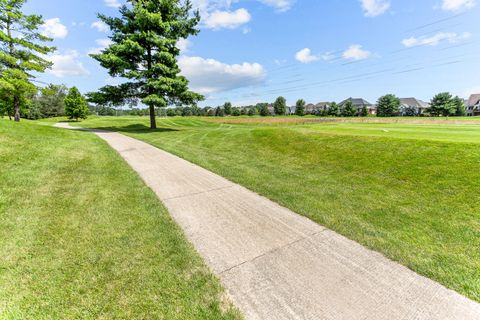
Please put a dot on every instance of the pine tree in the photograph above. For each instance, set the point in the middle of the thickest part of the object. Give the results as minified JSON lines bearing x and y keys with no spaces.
{"x":144,"y":50}
{"x":388,"y":106}
{"x":20,"y":53}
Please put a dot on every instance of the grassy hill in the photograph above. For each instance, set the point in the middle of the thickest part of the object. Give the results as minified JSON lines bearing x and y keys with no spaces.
{"x":410,"y":191}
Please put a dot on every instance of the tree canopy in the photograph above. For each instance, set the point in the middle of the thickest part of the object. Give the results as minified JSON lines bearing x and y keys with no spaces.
{"x":144,"y":51}
{"x":280,"y":106}
{"x":21,"y":53}
{"x":75,"y":105}
{"x":388,"y":106}
{"x":300,"y":108}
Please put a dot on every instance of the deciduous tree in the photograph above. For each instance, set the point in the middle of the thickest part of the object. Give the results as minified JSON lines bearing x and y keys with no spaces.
{"x":75,"y":105}
{"x":280,"y":106}
{"x":300,"y":108}
{"x":144,"y":51}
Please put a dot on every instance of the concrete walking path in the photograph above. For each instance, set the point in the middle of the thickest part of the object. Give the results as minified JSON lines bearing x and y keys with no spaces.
{"x":276,"y":264}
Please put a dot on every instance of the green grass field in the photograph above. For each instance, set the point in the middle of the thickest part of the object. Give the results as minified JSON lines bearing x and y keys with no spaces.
{"x":410,"y":191}
{"x":81,"y":236}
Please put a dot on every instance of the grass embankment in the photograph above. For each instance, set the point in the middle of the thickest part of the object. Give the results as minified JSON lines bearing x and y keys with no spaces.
{"x":81,"y":236}
{"x":408,"y":191}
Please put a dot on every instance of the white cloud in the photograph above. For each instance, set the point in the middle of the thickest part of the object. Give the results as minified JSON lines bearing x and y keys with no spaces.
{"x":100,"y":26}
{"x":451,"y":37}
{"x":279,"y":5}
{"x":53,"y":28}
{"x":306,"y":56}
{"x":67,"y":65}
{"x":184,"y":45}
{"x":113,"y":3}
{"x":458,"y":5}
{"x":355,"y":52}
{"x":373,"y":8}
{"x":209,"y":76}
{"x":102,"y":44}
{"x":227,"y":19}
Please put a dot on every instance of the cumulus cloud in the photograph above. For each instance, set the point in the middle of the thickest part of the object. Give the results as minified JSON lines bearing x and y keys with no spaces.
{"x":66,"y":64}
{"x":306,"y":56}
{"x":184,"y":45}
{"x":100,"y":26}
{"x":53,"y":28}
{"x":113,"y":3}
{"x":355,"y":52}
{"x":227,"y":19}
{"x":451,"y":37}
{"x":209,"y":76}
{"x":373,"y":8}
{"x":458,"y":5}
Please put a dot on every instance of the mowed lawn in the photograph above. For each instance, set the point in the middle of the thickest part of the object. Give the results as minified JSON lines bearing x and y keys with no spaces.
{"x":411,"y":192}
{"x":81,"y":236}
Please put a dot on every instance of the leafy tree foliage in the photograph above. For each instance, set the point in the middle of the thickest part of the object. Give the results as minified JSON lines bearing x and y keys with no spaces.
{"x":388,"y":106}
{"x":300,"y":108}
{"x":264,"y":112}
{"x":219,"y":112}
{"x":75,"y":105}
{"x":348,"y":110}
{"x":442,"y":105}
{"x":363,"y":112}
{"x":21,"y":53}
{"x":280,"y":106}
{"x":459,"y":106}
{"x":145,"y":52}
{"x":50,"y":101}
{"x":333,"y":110}
{"x":252,"y":111}
{"x":227,"y":107}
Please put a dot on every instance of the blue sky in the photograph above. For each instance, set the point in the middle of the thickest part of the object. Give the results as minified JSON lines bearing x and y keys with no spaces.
{"x":252,"y":51}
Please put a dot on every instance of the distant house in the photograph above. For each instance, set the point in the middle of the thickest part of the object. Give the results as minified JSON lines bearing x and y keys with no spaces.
{"x":359,"y":104}
{"x":271,"y":109}
{"x":316,"y":108}
{"x":412,"y":107}
{"x":473,"y":105}
{"x":291,"y":110}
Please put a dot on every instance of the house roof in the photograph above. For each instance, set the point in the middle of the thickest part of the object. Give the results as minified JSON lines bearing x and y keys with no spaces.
{"x":474,"y":99}
{"x":413,"y":102}
{"x":357,"y":102}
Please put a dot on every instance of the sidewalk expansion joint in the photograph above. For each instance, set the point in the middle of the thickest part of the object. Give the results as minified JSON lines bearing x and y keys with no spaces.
{"x":197,"y":193}
{"x":273,"y":250}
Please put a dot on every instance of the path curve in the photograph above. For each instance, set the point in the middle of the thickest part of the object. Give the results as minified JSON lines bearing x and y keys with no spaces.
{"x":276,"y":264}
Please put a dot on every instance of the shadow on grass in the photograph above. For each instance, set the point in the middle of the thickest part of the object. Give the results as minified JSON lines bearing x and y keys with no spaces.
{"x":135,"y":128}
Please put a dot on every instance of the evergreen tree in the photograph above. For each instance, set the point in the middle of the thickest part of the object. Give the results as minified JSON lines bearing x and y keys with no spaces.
{"x":280,"y":106}
{"x":388,"y":106}
{"x":144,"y":50}
{"x":333,"y":110}
{"x":75,"y":105}
{"x":300,"y":108}
{"x":21,"y":53}
{"x":348,"y":110}
{"x":442,"y":105}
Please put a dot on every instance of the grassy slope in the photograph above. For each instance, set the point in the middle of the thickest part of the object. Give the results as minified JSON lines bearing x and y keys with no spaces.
{"x":415,"y":199}
{"x":81,"y":236}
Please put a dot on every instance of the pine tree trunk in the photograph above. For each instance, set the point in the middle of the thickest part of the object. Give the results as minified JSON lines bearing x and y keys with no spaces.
{"x":16,"y":107}
{"x":153,"y":120}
